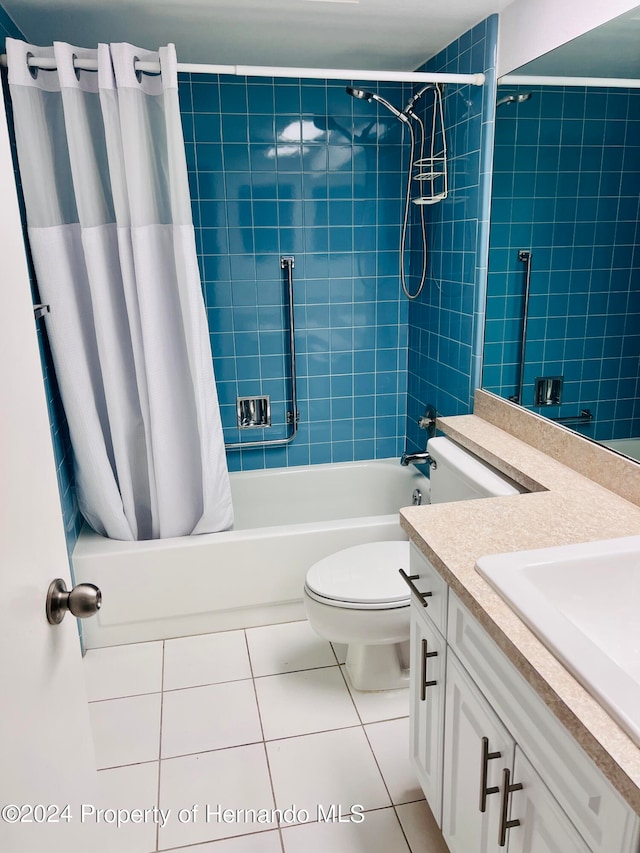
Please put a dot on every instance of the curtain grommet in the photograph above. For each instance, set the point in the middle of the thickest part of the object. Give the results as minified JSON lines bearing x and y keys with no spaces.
{"x":137,"y":71}
{"x":33,"y":69}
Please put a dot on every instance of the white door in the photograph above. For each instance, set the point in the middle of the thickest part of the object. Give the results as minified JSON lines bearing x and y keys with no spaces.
{"x":46,"y":753}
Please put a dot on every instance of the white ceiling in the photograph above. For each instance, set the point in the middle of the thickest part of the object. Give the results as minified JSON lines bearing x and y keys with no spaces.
{"x":364,"y":34}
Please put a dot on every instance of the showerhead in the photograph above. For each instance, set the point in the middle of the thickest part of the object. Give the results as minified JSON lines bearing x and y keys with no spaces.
{"x":514,"y":99}
{"x":359,"y":93}
{"x":371,"y":96}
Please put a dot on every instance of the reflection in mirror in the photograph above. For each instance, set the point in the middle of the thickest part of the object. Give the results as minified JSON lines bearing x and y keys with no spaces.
{"x":565,"y":188}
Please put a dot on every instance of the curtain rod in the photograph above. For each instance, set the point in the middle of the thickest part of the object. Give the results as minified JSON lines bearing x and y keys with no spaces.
{"x":276,"y":71}
{"x":597,"y":82}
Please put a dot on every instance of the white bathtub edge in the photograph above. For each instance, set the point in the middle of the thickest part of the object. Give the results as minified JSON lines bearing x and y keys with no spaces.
{"x":181,"y":592}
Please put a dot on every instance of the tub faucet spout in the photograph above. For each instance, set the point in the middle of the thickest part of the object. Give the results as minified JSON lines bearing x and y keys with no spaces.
{"x":423,"y":457}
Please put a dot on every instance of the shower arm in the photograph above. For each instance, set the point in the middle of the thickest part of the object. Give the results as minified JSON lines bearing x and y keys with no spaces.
{"x":293,"y":416}
{"x":413,"y":100}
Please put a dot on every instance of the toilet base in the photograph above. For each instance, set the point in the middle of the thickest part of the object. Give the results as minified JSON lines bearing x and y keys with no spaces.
{"x":379,"y":667}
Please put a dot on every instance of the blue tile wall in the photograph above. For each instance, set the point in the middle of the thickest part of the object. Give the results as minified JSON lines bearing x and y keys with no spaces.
{"x":297,"y":167}
{"x":59,"y":429}
{"x":446,"y":322}
{"x":566,"y":186}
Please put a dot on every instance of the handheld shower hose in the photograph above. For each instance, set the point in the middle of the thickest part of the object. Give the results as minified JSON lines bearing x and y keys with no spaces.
{"x":407,"y":116}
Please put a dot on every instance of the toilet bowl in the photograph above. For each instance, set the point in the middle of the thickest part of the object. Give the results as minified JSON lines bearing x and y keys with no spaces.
{"x":357,"y":597}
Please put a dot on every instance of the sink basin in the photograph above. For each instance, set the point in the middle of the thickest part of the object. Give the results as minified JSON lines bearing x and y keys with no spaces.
{"x":583,"y":603}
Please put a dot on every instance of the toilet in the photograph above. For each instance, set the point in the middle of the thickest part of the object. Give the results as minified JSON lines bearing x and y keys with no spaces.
{"x":357,"y":596}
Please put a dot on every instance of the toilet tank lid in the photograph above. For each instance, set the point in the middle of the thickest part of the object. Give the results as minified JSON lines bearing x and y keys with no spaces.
{"x":363,"y":574}
{"x":473,"y":470}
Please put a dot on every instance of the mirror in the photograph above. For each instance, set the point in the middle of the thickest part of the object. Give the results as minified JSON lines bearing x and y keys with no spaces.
{"x":565,"y":210}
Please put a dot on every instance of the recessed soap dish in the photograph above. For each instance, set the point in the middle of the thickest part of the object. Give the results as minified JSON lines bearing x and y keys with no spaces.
{"x":548,"y":391}
{"x":253,"y":412}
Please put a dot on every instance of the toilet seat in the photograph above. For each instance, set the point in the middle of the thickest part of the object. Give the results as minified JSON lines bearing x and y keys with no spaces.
{"x":364,"y":577}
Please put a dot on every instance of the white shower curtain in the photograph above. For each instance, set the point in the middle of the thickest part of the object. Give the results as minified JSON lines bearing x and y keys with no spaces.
{"x":104,"y":175}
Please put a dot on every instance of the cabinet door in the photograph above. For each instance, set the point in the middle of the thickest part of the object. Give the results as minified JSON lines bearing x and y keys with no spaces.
{"x":596,"y":809}
{"x":544,"y":827}
{"x":428,"y":655}
{"x":477,"y":749}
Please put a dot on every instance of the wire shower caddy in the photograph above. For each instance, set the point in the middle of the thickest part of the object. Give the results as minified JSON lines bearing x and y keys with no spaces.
{"x":430,"y":172}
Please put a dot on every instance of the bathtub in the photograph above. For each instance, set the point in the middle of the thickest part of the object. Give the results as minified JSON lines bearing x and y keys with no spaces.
{"x":285,"y":520}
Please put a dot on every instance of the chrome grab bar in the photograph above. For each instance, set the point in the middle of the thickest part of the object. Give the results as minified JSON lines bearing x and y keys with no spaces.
{"x":293,"y":417}
{"x":583,"y":418}
{"x":524,"y":256}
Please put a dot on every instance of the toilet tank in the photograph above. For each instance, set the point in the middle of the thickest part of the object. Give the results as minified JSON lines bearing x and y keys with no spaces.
{"x":460,"y":476}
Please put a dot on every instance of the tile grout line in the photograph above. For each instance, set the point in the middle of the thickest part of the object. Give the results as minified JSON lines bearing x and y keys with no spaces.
{"x":208,"y":683}
{"x":248,"y":743}
{"x":127,"y":696}
{"x":160,"y":744}
{"x":395,"y":808}
{"x":384,"y":781}
{"x":253,"y":681}
{"x":234,"y":680}
{"x":264,"y":743}
{"x":375,"y":758}
{"x":313,"y":733}
{"x":201,"y":845}
{"x":346,"y":684}
{"x":335,"y":653}
{"x":363,"y":726}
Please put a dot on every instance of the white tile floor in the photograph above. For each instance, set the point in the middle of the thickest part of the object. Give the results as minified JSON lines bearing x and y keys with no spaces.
{"x":259,"y":719}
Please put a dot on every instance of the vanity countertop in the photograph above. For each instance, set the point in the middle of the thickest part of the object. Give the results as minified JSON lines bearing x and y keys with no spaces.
{"x":563,"y":507}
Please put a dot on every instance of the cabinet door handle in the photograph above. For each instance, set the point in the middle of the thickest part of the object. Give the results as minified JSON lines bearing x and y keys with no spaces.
{"x":507,"y":788}
{"x":414,"y":589}
{"x":423,"y":674}
{"x":484,"y":774}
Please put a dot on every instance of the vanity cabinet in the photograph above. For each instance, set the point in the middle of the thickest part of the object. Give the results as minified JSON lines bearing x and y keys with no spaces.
{"x":498,"y":769}
{"x":488,"y":782}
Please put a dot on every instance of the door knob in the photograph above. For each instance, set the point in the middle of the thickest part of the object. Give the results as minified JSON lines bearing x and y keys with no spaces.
{"x":83,"y":600}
